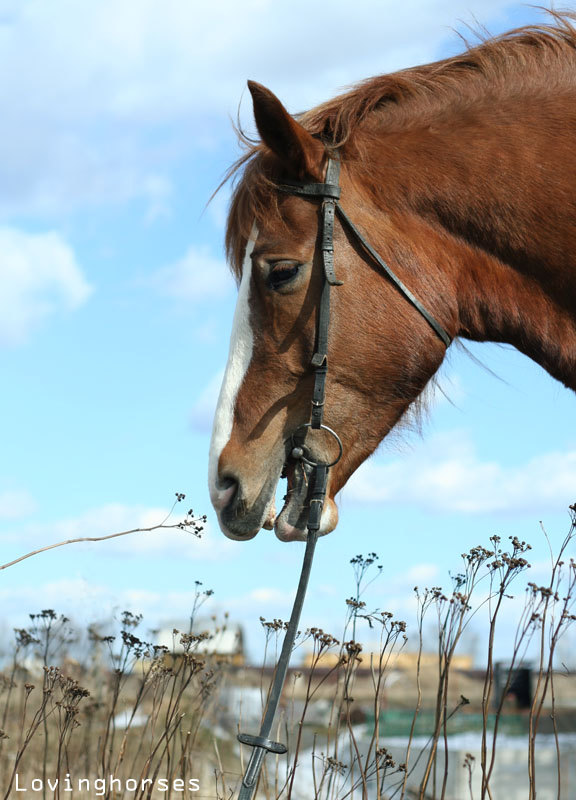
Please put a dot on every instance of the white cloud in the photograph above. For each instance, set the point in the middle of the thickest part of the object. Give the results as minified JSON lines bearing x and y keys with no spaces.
{"x":195,"y":278}
{"x":40,"y":277}
{"x":89,"y":117}
{"x":446,"y":474}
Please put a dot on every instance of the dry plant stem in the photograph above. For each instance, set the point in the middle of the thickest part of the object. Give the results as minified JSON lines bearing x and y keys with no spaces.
{"x":161,"y":526}
{"x":549,"y":636}
{"x":416,"y":794}
{"x":40,"y":715}
{"x":486,"y":697}
{"x":181,"y":767}
{"x":166,"y":734}
{"x":522,"y":639}
{"x":309,"y":695}
{"x":220,"y":770}
{"x":67,"y":720}
{"x":150,"y":727}
{"x":377,"y":680}
{"x":469,"y":766}
{"x":360,"y":565}
{"x":450,"y":631}
{"x":173,"y":716}
{"x":423,"y":607}
{"x":487,"y":694}
{"x":317,"y":785}
{"x":109,"y":732}
{"x":357,"y":757}
{"x":556,"y":740}
{"x":288,"y":726}
{"x":451,"y":627}
{"x":278,"y":733}
{"x":158,"y":695}
{"x":163,"y":756}
{"x":386,"y":649}
{"x":142,"y":741}
{"x":142,"y":689}
{"x":334,"y":722}
{"x":11,"y":685}
{"x":22,"y":743}
{"x":341,"y":713}
{"x":507,"y":567}
{"x":172,"y":721}
{"x":47,"y":620}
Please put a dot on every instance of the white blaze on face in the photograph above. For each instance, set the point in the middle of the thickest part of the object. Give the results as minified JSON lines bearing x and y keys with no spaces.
{"x":239,"y":357}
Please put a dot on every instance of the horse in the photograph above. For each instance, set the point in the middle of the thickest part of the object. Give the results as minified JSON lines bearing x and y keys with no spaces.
{"x":462,"y":175}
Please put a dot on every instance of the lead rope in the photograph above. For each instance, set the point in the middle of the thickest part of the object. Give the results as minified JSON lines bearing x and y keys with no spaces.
{"x":262,"y":744}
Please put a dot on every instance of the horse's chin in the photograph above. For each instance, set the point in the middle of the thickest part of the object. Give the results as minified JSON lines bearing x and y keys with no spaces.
{"x":290,"y":533}
{"x":291,"y":523}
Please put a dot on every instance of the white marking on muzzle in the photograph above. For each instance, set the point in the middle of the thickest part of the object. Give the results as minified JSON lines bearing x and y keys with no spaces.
{"x":239,"y":357}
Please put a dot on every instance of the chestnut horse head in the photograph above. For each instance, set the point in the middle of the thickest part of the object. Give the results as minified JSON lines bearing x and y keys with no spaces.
{"x":462,"y":176}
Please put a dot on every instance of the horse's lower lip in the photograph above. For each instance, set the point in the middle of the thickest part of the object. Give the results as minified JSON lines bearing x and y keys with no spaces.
{"x":291,"y":522}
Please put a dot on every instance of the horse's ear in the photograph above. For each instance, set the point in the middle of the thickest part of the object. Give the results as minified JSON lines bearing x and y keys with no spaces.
{"x":297,"y":149}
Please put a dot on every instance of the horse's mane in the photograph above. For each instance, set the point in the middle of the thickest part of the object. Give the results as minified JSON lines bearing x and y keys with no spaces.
{"x":532,"y":59}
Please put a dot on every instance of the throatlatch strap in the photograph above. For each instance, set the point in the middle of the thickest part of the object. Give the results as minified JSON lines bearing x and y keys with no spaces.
{"x":436,"y":327}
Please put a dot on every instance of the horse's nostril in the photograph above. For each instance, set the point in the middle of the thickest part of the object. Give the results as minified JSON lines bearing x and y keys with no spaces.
{"x":226,"y":489}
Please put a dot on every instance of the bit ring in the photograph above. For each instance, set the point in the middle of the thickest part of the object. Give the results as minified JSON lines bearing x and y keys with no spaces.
{"x":301,"y":450}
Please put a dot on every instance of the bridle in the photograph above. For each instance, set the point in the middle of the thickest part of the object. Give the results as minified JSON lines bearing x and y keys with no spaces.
{"x":329,"y":193}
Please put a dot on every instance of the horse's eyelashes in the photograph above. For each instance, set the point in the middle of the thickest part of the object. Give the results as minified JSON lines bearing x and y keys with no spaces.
{"x":282,"y":272}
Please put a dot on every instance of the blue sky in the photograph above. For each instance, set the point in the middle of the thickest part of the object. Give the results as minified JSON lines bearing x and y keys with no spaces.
{"x":116,"y":309}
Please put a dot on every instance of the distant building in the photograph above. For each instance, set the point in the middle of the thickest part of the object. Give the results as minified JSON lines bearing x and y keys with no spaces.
{"x":222,"y":642}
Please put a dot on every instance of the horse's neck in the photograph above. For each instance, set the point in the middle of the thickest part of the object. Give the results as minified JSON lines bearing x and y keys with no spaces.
{"x":502,"y":197}
{"x":499,"y":302}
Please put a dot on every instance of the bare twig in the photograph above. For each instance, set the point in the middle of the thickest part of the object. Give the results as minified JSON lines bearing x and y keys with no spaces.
{"x":190,"y":525}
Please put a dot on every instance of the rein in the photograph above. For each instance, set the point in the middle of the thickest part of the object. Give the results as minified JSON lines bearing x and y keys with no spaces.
{"x":329,"y":193}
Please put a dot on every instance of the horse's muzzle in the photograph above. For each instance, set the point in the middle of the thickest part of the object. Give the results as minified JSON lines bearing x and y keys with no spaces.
{"x":244,"y":510}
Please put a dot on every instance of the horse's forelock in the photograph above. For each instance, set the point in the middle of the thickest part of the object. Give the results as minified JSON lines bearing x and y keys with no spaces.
{"x":254,"y":200}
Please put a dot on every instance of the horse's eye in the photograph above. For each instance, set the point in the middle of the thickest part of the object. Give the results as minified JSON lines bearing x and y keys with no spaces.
{"x":282,"y":272}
